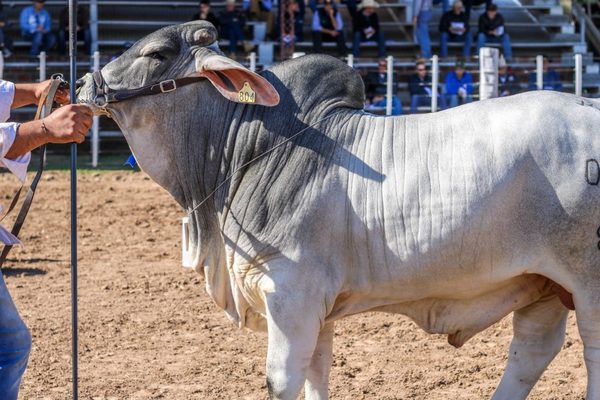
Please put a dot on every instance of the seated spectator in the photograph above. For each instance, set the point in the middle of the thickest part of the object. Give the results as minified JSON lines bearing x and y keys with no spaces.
{"x":454,"y":27}
{"x":421,"y":16}
{"x":83,"y":30}
{"x":205,"y":14}
{"x":470,"y":3}
{"x":294,"y":16}
{"x":260,"y":10}
{"x":366,"y":28}
{"x":491,"y":30}
{"x":459,"y":85}
{"x":376,"y":79}
{"x":5,"y":42}
{"x":328,"y":26}
{"x":551,"y":78}
{"x":507,"y":81}
{"x":232,"y":24}
{"x":35,"y":25}
{"x":419,"y":87}
{"x":379,"y":102}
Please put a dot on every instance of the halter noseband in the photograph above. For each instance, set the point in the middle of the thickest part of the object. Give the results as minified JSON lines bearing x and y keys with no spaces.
{"x":104,"y":95}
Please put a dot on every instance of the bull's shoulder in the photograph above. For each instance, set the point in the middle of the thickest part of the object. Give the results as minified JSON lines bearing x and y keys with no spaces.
{"x":317,"y":82}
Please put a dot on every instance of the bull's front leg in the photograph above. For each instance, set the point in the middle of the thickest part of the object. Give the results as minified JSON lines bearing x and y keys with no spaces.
{"x":317,"y":379}
{"x":295,"y":310}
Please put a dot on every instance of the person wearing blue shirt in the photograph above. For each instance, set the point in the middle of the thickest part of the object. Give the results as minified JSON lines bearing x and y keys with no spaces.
{"x":459,"y":85}
{"x":35,"y":25}
{"x":551,"y":80}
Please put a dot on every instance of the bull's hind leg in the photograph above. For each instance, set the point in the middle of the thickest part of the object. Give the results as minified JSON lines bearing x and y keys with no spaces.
{"x":587,"y":303}
{"x":539,"y":332}
{"x":317,"y":378}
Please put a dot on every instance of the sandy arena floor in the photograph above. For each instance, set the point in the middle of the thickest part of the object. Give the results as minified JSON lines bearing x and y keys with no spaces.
{"x":149,"y":331}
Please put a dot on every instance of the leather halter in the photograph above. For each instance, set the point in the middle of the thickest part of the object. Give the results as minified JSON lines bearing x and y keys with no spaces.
{"x":104,"y":95}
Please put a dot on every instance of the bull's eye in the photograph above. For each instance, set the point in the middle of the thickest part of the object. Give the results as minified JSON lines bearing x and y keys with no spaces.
{"x":156,"y":56}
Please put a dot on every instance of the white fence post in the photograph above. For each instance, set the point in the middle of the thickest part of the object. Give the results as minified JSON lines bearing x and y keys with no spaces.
{"x":1,"y":65}
{"x":488,"y":73}
{"x":539,"y":72}
{"x":42,"y":66}
{"x":578,"y":74}
{"x":350,"y":59}
{"x":389,"y":85}
{"x":253,"y":61}
{"x":96,"y":121}
{"x":435,"y":79}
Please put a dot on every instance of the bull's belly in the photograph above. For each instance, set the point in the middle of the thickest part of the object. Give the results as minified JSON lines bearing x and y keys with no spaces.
{"x":462,"y":318}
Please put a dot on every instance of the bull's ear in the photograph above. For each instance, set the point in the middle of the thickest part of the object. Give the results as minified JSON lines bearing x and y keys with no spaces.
{"x":237,"y":83}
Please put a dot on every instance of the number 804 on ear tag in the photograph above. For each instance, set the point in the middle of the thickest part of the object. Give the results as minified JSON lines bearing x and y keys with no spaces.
{"x":247,"y":95}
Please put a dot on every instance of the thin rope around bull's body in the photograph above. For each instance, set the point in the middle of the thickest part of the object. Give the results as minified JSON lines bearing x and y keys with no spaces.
{"x":220,"y":185}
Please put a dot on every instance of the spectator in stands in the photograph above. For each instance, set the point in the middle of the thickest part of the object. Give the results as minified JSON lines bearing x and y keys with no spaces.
{"x":366,"y":27}
{"x":491,"y":30}
{"x":459,"y":85}
{"x":294,"y":16}
{"x":470,"y":3}
{"x":83,"y":29}
{"x":454,"y":27}
{"x":232,"y":25}
{"x":551,"y":78}
{"x":379,"y":102}
{"x":5,"y":42}
{"x":377,"y":79}
{"x":507,"y":81}
{"x":419,"y":87}
{"x":421,"y":17}
{"x":328,"y":25}
{"x":260,"y":10}
{"x":205,"y":14}
{"x":35,"y":25}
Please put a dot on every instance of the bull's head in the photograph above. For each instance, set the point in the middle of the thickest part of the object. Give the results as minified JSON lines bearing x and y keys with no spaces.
{"x":169,"y":58}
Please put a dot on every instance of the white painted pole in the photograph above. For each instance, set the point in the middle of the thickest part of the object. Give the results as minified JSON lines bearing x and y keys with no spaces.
{"x":539,"y":72}
{"x":488,"y":72}
{"x":350,"y":59}
{"x":1,"y":65}
{"x":96,"y":121}
{"x":42,"y":66}
{"x":578,"y":75}
{"x":253,"y":61}
{"x":389,"y":85}
{"x":435,"y":79}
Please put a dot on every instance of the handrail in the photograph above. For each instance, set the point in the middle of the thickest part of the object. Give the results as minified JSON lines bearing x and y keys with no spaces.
{"x":587,"y":27}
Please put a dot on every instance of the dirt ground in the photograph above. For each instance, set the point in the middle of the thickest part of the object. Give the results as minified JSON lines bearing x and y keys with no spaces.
{"x":148,"y":330}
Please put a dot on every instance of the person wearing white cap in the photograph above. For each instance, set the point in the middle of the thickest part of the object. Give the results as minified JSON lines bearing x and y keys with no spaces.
{"x":366,"y":28}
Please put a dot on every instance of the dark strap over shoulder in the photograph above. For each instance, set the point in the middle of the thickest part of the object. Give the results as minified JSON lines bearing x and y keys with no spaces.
{"x":44,"y":108}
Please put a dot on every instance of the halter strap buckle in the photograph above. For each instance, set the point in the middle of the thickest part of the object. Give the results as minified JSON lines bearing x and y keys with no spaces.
{"x":167,"y":86}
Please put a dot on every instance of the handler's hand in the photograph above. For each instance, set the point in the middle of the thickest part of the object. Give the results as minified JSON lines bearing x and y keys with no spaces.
{"x":69,"y":123}
{"x":62,"y":94}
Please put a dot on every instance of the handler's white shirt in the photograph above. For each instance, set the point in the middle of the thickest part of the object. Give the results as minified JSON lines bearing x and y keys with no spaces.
{"x":8,"y":131}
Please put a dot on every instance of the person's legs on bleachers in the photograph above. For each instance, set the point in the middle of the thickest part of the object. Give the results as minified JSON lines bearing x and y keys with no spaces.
{"x":423,"y":33}
{"x":356,"y":44}
{"x":444,"y":44}
{"x":341,"y":44}
{"x":36,"y":43}
{"x":317,"y":40}
{"x":445,"y":4}
{"x":506,"y":47}
{"x":62,"y":42}
{"x":453,"y":100}
{"x":48,"y":41}
{"x":481,"y":38}
{"x":467,"y":46}
{"x":381,"y":44}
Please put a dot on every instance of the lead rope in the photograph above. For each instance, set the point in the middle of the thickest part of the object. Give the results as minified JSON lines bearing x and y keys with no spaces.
{"x":219,"y":186}
{"x":44,"y":108}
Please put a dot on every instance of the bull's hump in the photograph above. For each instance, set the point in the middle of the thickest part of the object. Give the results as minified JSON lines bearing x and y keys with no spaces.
{"x":317,"y":83}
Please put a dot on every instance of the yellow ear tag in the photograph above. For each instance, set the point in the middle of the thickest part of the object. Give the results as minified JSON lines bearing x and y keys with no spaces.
{"x":247,"y":95}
